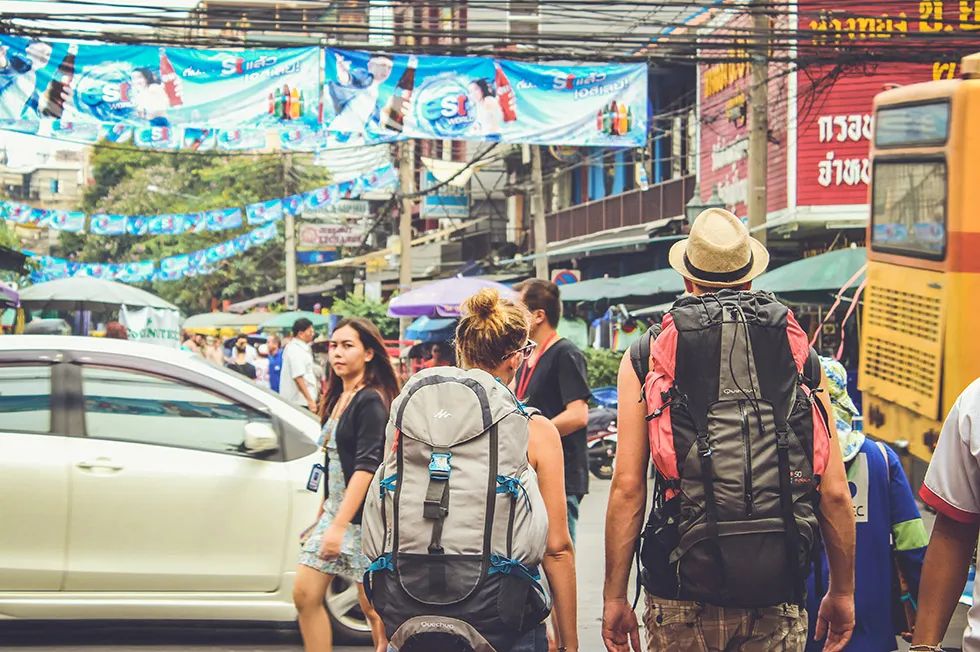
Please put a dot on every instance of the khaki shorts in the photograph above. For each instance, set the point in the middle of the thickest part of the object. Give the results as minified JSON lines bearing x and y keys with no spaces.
{"x":678,"y":626}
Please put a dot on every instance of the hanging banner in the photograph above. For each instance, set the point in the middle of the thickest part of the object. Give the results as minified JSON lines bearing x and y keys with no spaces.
{"x":171,"y":268}
{"x":151,"y":325}
{"x":264,"y":212}
{"x":479,"y":98}
{"x":222,"y":219}
{"x":145,"y":86}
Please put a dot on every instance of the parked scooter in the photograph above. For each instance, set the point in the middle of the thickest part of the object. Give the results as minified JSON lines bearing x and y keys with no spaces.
{"x":601,"y":434}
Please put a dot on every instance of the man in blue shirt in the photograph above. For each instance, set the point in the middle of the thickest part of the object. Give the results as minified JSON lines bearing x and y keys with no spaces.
{"x":275,"y":362}
{"x":890,"y":531}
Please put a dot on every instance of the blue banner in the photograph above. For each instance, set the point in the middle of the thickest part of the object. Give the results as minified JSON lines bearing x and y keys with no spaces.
{"x":480,"y":98}
{"x":264,"y":212}
{"x":222,"y":219}
{"x":145,"y":86}
{"x":171,"y":268}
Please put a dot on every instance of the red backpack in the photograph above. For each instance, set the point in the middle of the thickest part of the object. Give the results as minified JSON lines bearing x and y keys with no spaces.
{"x":739,"y":444}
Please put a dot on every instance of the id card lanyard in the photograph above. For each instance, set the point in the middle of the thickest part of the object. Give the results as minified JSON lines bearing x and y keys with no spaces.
{"x":530,"y":368}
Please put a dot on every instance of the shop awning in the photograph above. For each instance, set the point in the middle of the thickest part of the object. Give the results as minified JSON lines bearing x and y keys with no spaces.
{"x":429,"y":329}
{"x":211,"y":323}
{"x":635,"y":286}
{"x":827,"y":272}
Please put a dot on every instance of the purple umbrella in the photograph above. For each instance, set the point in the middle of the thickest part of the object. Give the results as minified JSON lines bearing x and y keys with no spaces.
{"x":8,"y":297}
{"x":442,"y":298}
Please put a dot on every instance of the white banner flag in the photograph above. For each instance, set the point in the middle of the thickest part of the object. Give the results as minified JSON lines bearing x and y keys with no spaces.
{"x":152,"y":325}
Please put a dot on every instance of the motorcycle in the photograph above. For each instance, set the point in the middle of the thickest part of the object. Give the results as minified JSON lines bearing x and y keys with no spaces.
{"x":602,"y":432}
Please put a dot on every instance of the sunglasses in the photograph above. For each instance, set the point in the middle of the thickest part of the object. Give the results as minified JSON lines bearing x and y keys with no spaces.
{"x":525,"y":351}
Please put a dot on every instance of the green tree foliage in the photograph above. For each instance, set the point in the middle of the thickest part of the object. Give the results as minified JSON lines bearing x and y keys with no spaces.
{"x":191,"y":183}
{"x":603,"y":366}
{"x":377,"y":312}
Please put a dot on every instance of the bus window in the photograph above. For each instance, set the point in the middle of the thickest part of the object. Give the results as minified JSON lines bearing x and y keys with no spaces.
{"x":912,"y":125}
{"x":908,"y":207}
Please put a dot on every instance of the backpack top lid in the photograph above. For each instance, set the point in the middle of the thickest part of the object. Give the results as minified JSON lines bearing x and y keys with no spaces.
{"x":447,"y":406}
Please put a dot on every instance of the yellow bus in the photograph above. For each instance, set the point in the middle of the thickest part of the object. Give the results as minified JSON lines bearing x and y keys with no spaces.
{"x":920,"y":339}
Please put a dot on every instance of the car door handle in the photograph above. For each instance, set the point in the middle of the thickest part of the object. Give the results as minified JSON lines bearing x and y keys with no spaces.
{"x":100,"y":463}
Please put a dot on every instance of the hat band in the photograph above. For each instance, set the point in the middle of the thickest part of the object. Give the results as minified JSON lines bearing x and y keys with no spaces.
{"x":719,"y":277}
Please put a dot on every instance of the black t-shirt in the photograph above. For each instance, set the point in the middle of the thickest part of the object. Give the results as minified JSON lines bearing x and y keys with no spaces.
{"x":246,"y":369}
{"x":360,"y":437}
{"x":559,"y":379}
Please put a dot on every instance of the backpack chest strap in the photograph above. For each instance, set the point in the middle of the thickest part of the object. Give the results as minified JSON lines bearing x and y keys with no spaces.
{"x":436,"y":505}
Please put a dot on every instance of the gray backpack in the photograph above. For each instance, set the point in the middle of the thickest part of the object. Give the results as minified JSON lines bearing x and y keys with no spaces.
{"x":454,"y":519}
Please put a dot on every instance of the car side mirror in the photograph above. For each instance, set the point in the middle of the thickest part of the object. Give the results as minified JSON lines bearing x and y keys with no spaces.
{"x":260,"y":437}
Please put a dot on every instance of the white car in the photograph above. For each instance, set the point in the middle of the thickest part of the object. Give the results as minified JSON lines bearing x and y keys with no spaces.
{"x":138,"y":482}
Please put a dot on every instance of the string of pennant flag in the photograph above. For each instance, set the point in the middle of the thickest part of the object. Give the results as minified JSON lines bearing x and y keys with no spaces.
{"x":222,"y":219}
{"x":172,"y":268}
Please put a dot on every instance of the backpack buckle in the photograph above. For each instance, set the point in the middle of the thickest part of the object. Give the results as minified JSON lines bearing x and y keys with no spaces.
{"x":439,"y":467}
{"x":704,"y":448}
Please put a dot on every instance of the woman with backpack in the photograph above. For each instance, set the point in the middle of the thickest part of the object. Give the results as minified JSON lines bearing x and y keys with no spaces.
{"x":493,"y":335}
{"x":360,"y":387}
{"x":471,"y":503}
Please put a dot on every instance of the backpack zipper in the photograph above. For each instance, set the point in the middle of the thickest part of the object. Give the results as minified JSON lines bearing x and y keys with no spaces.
{"x":747,"y":458}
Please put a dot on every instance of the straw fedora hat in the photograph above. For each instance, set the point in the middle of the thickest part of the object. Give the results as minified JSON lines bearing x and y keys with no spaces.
{"x":719,"y":252}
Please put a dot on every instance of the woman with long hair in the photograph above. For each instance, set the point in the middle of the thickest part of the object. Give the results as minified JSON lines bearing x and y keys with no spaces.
{"x":493,"y":335}
{"x":361,"y":384}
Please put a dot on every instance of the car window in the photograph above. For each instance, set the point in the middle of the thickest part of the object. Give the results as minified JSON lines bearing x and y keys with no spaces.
{"x":126,"y":405}
{"x":25,"y":398}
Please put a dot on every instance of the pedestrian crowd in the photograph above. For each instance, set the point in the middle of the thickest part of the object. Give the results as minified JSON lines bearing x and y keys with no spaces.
{"x":775,"y":524}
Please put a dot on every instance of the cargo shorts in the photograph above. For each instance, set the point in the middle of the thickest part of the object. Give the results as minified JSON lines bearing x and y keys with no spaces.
{"x":681,"y":626}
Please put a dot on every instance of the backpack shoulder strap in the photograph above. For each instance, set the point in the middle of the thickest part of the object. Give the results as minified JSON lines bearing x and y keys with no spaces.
{"x":812,"y":372}
{"x":640,"y":352}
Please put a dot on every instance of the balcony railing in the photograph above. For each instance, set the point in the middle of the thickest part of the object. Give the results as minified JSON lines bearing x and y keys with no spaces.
{"x":631,"y":208}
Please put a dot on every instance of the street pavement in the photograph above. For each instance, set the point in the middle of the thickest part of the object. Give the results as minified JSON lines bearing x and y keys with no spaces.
{"x":175,"y":637}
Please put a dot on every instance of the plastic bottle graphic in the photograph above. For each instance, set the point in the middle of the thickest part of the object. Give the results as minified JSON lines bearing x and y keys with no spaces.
{"x":505,"y":94}
{"x":277,"y":103}
{"x":301,"y":104}
{"x":285,"y":103}
{"x":598,"y":120}
{"x":393,"y":116}
{"x":272,"y":104}
{"x":613,"y":118}
{"x":629,"y":119}
{"x":54,"y":107}
{"x":621,"y":122}
{"x":294,"y":108}
{"x":169,"y":78}
{"x":606,"y":120}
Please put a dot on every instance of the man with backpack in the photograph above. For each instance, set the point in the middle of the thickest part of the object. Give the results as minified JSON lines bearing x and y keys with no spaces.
{"x":725,"y":400}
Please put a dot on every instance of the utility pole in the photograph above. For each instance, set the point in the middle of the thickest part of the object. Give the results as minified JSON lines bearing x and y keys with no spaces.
{"x":406,"y":179}
{"x":537,"y":209}
{"x":288,"y":188}
{"x":759,"y":120}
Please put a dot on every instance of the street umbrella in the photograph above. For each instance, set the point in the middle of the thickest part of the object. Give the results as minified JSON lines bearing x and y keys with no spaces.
{"x":8,"y":297}
{"x":442,"y":298}
{"x":84,"y":293}
{"x":285,"y":320}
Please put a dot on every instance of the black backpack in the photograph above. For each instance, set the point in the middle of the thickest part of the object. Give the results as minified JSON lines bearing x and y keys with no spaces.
{"x":733,"y":521}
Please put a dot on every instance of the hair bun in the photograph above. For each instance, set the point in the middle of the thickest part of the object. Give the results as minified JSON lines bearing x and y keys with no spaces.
{"x":484,"y":304}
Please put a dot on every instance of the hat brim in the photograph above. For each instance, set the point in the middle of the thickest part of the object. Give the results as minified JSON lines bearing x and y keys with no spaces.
{"x":760,"y":261}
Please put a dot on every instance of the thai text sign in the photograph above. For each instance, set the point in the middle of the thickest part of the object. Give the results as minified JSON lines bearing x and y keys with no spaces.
{"x":320,"y":236}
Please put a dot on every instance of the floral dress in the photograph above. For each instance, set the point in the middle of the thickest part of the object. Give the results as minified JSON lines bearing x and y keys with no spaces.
{"x":352,"y":563}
